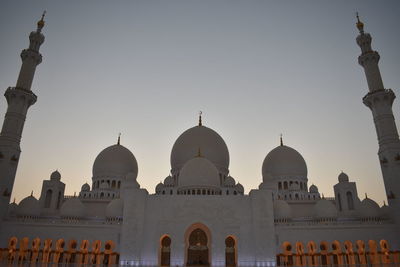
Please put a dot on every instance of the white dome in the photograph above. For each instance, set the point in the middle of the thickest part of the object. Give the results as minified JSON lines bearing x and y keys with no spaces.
{"x":284,"y":161}
{"x":159,"y":187}
{"x":115,"y":160}
{"x":29,"y":206}
{"x":282,"y":210}
{"x":85,"y":187}
{"x":385,"y":211}
{"x":73,"y":208}
{"x":115,"y":208}
{"x":210,"y":143}
{"x":313,"y":189}
{"x":199,"y":172}
{"x":369,"y":208}
{"x":324,"y":209}
{"x":55,"y":176}
{"x":169,"y":180}
{"x":240,"y":188}
{"x":229,"y":181}
{"x":343,"y":177}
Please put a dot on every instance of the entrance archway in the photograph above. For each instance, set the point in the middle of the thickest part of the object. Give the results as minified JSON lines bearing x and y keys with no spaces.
{"x":230,"y":252}
{"x":198,"y":245}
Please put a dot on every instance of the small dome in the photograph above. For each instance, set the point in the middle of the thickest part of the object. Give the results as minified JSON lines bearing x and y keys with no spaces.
{"x":159,"y":187}
{"x":284,"y":161}
{"x":324,"y":209}
{"x":369,"y":208}
{"x":115,"y":160}
{"x":115,"y":208}
{"x":104,"y":185}
{"x":343,"y":177}
{"x":73,"y":208}
{"x":282,"y":210}
{"x":212,"y":147}
{"x":199,"y":172}
{"x":229,"y":181}
{"x":85,"y":187}
{"x":29,"y":206}
{"x":313,"y":189}
{"x":169,"y":181}
{"x":56,"y":176}
{"x":239,"y":188}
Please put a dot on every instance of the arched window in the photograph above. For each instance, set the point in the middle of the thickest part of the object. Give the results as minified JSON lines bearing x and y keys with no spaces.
{"x":165,"y":251}
{"x":102,"y":194}
{"x":350,"y":202}
{"x":285,"y":186}
{"x":230,"y":252}
{"x":113,"y":184}
{"x":47,"y":199}
{"x":280,"y":185}
{"x":59,"y":200}
{"x":339,"y":202}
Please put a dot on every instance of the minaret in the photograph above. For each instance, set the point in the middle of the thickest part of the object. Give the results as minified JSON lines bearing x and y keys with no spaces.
{"x":19,"y":99}
{"x":380,"y":101}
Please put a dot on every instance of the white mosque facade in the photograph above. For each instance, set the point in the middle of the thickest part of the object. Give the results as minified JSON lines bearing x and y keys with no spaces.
{"x":199,"y":215}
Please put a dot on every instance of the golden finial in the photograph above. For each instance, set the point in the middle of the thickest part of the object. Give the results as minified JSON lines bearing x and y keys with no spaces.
{"x":200,"y":122}
{"x":32,"y":193}
{"x":40,"y":23}
{"x":359,"y":24}
{"x":384,"y":203}
{"x":119,"y":139}
{"x":281,"y":140}
{"x":199,"y":155}
{"x":14,"y":200}
{"x":366,"y":196}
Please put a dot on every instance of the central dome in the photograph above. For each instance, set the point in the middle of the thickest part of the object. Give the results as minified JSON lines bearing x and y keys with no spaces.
{"x":199,"y":172}
{"x":210,"y":143}
{"x":115,"y":160}
{"x":284,"y":161}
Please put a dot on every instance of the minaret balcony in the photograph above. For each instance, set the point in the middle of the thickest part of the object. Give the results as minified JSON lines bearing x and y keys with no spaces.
{"x":379,"y":97}
{"x":17,"y":94}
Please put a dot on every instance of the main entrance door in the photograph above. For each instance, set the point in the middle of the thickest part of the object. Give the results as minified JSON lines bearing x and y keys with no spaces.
{"x":197,"y":254}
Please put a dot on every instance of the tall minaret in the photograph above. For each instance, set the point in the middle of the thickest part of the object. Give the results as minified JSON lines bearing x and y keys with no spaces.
{"x":380,"y":101}
{"x":19,"y":99}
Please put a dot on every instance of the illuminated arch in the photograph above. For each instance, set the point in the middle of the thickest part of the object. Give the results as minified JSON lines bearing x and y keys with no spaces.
{"x":207,"y":232}
{"x":337,"y":258}
{"x":109,"y":255}
{"x":231,"y":254}
{"x":84,"y":252}
{"x":385,"y":252}
{"x":373,"y":252}
{"x":35,"y":250}
{"x":312,"y":251}
{"x":324,"y":251}
{"x":164,"y":251}
{"x":46,"y":250}
{"x":361,"y":252}
{"x":300,"y":257}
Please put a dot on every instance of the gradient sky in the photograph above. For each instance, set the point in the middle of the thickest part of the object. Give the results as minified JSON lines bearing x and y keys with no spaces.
{"x":145,"y":68}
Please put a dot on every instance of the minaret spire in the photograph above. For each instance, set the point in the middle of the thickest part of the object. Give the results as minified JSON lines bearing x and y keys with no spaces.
{"x":200,"y":121}
{"x":19,"y":99}
{"x":380,"y":101}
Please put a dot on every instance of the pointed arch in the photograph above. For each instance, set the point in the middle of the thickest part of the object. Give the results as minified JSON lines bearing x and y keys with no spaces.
{"x":231,"y":251}
{"x":204,"y":233}
{"x":164,"y":253}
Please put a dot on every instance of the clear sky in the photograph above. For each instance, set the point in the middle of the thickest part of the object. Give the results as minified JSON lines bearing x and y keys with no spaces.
{"x":145,"y":68}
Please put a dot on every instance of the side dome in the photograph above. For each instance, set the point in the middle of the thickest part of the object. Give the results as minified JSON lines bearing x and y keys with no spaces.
{"x":85,"y":187}
{"x":385,"y":211}
{"x":55,"y":176}
{"x":343,"y":177}
{"x":229,"y":181}
{"x":284,"y":161}
{"x":324,"y":209}
{"x":282,"y":210}
{"x":115,"y":160}
{"x":240,"y":188}
{"x":73,"y":208}
{"x":313,"y":189}
{"x":369,"y":208}
{"x":199,"y":172}
{"x":159,"y":187}
{"x":29,"y":206}
{"x":12,"y":209}
{"x":115,"y":208}
{"x":212,"y":147}
{"x":169,"y":181}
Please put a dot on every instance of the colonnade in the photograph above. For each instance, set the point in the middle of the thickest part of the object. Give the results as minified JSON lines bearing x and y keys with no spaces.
{"x":336,"y":253}
{"x":59,"y":251}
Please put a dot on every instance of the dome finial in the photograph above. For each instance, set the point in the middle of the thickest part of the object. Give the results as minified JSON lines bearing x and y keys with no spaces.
{"x":200,"y":122}
{"x":359,"y":24}
{"x":384,"y":203}
{"x":40,"y":23}
{"x":32,"y":193}
{"x":281,"y":138}
{"x":199,"y":155}
{"x":119,"y":139}
{"x":14,"y":201}
{"x":366,"y":196}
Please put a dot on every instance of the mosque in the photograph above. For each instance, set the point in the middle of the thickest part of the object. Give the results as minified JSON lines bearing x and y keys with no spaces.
{"x":199,"y":215}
